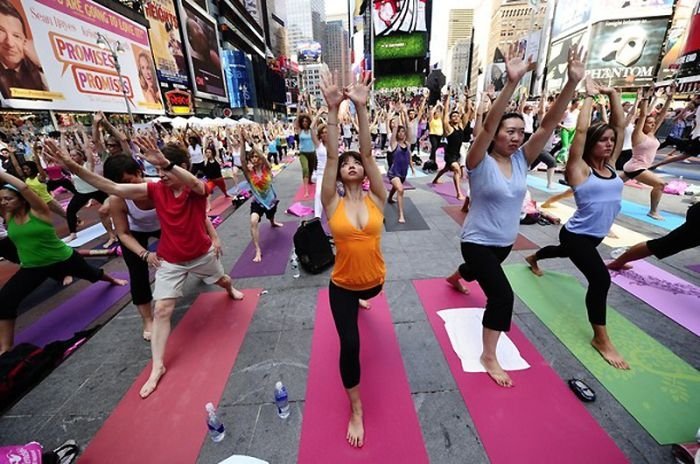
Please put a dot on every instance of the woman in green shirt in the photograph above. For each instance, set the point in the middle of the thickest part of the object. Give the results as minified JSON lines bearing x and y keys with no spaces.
{"x":41,"y":253}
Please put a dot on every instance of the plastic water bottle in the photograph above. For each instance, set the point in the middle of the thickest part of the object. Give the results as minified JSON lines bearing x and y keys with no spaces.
{"x":217,"y":431}
{"x":281,"y":400}
{"x":295,"y":265}
{"x":617,"y":252}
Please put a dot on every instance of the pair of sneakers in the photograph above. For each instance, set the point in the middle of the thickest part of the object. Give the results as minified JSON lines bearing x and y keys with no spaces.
{"x":66,"y":453}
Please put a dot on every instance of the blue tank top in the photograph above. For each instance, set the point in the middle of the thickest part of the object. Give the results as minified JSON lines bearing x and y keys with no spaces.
{"x":598,"y":201}
{"x":496,"y":202}
{"x":399,"y":166}
{"x":306,"y":144}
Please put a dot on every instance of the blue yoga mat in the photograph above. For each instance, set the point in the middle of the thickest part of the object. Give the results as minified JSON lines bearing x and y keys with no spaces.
{"x":629,"y":208}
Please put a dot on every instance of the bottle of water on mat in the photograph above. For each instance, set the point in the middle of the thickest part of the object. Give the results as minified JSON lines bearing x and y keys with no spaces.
{"x":617,"y":252}
{"x":295,"y":265}
{"x":217,"y":431}
{"x":281,"y":400}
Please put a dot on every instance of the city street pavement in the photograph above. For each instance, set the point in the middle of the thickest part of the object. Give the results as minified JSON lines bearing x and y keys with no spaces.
{"x":76,"y":399}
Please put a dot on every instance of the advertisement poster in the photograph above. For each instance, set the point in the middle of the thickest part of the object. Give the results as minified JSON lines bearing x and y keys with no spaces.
{"x":558,"y":56}
{"x":627,"y":9}
{"x":309,"y":52}
{"x":625,"y":52}
{"x":202,"y":44}
{"x":240,"y":92}
{"x":676,"y":40}
{"x":55,"y":62}
{"x":391,"y":16}
{"x":690,"y":60}
{"x":166,"y":43}
{"x":570,"y":16}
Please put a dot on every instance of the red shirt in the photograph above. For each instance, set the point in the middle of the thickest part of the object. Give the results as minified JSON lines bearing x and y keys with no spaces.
{"x":182,"y":220}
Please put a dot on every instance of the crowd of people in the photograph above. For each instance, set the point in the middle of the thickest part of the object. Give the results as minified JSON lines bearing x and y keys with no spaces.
{"x":155,"y":184}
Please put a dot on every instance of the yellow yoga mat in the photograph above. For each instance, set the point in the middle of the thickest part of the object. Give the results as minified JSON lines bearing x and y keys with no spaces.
{"x":625,"y":237}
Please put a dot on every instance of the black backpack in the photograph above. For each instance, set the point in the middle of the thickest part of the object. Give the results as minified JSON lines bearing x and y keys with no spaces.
{"x":20,"y":369}
{"x":313,"y":247}
{"x":430,"y":166}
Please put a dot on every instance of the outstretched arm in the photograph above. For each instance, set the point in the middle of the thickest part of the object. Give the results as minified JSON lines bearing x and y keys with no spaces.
{"x":334,"y":97}
{"x":662,"y":114}
{"x":359,"y":94}
{"x":35,"y":202}
{"x":576,"y":70}
{"x":516,"y":68}
{"x":576,"y":167}
{"x":617,"y":120}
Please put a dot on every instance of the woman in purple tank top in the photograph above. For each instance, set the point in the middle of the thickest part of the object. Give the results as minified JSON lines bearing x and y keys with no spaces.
{"x":401,"y":161}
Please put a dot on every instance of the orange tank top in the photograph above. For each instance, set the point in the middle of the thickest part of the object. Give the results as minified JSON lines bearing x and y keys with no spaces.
{"x":359,"y":264}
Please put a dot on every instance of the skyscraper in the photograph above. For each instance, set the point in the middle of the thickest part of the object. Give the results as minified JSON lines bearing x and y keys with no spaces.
{"x":459,"y":26}
{"x":336,"y":52}
{"x":305,"y":20}
{"x":458,"y":57}
{"x":512,"y":21}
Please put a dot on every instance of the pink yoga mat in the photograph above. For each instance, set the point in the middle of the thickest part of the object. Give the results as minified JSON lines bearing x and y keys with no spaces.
{"x":276,"y":245}
{"x":299,"y":196}
{"x":447,"y":191}
{"x":392,"y":430}
{"x":219,"y":205}
{"x":675,"y":298}
{"x":169,"y":426}
{"x":539,"y":419}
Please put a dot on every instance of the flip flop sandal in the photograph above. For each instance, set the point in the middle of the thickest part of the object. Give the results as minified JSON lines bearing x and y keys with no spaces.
{"x":582,"y":390}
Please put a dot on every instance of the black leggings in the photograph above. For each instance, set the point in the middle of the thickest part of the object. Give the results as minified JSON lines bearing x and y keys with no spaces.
{"x":53,"y":184}
{"x":273,"y":156}
{"x":345,"y":307}
{"x":8,"y":250}
{"x":483,"y":264}
{"x":683,"y":237}
{"x":434,"y":145}
{"x":138,"y":268}
{"x":581,"y":249}
{"x":545,"y":158}
{"x":78,"y":201}
{"x":27,"y":279}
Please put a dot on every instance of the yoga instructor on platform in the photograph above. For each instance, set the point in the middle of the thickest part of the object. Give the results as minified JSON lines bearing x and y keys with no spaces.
{"x":356,"y":222}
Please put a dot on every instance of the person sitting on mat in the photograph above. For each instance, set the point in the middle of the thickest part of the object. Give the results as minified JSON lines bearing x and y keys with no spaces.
{"x":355,"y":221}
{"x":41,"y":253}
{"x":590,"y":170}
{"x":644,"y":147}
{"x":258,"y":173}
{"x":683,"y":237}
{"x":498,"y":165}
{"x":185,"y":246}
{"x":401,"y":161}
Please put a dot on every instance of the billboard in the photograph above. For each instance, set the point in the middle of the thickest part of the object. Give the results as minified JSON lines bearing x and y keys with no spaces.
{"x":397,"y":46}
{"x":73,"y":73}
{"x":625,"y":52}
{"x":308,"y":52}
{"x":558,"y":58}
{"x":570,"y":16}
{"x":690,"y":60}
{"x":392,"y":16}
{"x":166,"y":43}
{"x":628,"y":9}
{"x":202,"y":43}
{"x":676,"y":39}
{"x":240,"y":92}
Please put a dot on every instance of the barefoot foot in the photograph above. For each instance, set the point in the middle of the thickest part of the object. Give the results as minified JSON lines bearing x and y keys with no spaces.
{"x":364,"y":304}
{"x":70,"y":238}
{"x":235,"y":294}
{"x":276,"y":224}
{"x":152,"y":382}
{"x":613,"y":266}
{"x":146,"y":335}
{"x":258,"y":256}
{"x":402,"y":220}
{"x":656,"y":216}
{"x":532,"y":261}
{"x":457,"y":284}
{"x":495,"y":371}
{"x":356,"y":431}
{"x":390,"y":200}
{"x":610,"y":354}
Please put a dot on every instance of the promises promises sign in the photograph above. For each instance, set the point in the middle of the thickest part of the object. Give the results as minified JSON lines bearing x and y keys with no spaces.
{"x":72,"y":72}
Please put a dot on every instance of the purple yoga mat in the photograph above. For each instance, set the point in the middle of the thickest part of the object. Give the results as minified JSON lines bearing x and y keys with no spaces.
{"x":276,"y":245}
{"x":694,"y":267}
{"x":671,"y":296}
{"x":75,"y":314}
{"x":447,"y":191}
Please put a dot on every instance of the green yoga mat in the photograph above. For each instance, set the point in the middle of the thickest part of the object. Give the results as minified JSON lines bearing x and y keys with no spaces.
{"x":661,"y":390}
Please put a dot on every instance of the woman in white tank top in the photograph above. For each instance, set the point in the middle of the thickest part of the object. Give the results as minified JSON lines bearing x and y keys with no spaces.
{"x":319,"y":134}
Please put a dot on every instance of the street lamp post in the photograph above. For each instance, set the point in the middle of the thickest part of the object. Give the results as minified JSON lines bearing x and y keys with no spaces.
{"x":103,"y":43}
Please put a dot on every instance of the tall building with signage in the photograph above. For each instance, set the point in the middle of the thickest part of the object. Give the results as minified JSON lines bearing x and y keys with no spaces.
{"x":310,"y":80}
{"x":513,"y":20}
{"x":458,"y":58}
{"x":336,"y":53}
{"x":460,"y":25}
{"x":304,"y":20}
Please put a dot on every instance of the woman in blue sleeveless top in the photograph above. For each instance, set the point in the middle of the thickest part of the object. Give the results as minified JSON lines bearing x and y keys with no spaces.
{"x":590,"y":170}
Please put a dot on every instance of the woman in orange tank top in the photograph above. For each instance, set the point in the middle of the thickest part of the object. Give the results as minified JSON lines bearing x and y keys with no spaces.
{"x":355,"y":221}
